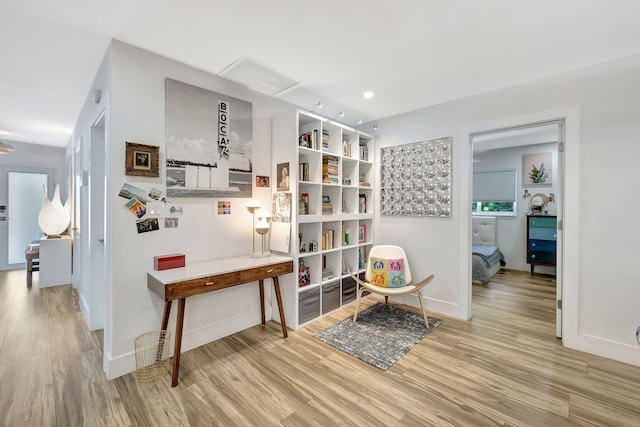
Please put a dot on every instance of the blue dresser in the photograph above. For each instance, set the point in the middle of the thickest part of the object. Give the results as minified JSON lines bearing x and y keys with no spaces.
{"x":542,"y":232}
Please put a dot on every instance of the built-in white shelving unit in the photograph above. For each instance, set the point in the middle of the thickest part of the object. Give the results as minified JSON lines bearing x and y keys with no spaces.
{"x":331,"y":168}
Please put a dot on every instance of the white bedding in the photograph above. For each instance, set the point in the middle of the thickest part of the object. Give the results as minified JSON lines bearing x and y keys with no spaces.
{"x":488,"y":259}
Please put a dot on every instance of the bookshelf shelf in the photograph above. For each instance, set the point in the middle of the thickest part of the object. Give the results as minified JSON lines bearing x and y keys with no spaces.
{"x":335,"y":167}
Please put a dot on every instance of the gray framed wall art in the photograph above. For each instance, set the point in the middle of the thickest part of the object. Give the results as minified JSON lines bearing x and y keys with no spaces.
{"x":416,"y":179}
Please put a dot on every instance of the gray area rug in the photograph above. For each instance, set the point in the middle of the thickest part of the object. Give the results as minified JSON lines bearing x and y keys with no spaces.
{"x":381,"y":335}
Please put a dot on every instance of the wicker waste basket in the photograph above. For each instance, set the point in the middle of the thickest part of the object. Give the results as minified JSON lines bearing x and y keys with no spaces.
{"x":152,"y":355}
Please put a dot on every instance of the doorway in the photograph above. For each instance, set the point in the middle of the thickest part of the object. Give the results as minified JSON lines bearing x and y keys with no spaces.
{"x":97,"y":183}
{"x":508,"y":149}
{"x":19,"y":216}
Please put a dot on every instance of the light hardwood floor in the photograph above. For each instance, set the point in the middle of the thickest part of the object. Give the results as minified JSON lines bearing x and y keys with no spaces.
{"x":505,"y":367}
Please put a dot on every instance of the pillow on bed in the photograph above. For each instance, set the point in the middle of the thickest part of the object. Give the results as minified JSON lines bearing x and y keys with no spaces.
{"x":387,"y":273}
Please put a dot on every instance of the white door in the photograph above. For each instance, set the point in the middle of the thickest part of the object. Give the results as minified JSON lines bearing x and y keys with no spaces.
{"x":19,"y":217}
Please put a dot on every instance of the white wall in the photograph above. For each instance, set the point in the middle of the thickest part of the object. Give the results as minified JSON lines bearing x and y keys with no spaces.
{"x":37,"y":156}
{"x":601,"y":250}
{"x":136,"y":94}
{"x":511,"y":231}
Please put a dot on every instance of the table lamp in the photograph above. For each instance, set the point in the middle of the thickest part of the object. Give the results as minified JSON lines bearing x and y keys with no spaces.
{"x":252,"y":206}
{"x":262,"y":227}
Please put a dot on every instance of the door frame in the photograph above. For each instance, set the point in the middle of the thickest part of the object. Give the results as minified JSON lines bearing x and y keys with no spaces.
{"x":569,"y":206}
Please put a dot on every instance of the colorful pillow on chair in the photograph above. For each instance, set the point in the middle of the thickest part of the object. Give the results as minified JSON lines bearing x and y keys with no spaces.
{"x":387,"y":273}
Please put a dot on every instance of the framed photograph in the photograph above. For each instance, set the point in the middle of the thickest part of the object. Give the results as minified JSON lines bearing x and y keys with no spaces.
{"x":262,"y":181}
{"x":142,"y":160}
{"x":362,"y":233}
{"x":537,"y":169}
{"x":282,"y":177}
{"x":304,"y":276}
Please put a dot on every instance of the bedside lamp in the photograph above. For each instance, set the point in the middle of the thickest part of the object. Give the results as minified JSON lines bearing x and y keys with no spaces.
{"x":252,"y":206}
{"x":262,"y":227}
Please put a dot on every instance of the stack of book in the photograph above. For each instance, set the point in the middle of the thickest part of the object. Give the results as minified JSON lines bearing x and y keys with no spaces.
{"x":325,"y":140}
{"x":330,"y":170}
{"x":327,"y":274}
{"x":327,"y":240}
{"x":327,"y":208}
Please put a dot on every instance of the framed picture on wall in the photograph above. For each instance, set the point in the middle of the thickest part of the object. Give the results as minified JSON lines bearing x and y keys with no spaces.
{"x":537,"y":169}
{"x":362,"y":233}
{"x":142,"y":160}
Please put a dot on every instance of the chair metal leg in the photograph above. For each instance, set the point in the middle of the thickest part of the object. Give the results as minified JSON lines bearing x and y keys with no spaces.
{"x":424,"y":312}
{"x":386,"y":299}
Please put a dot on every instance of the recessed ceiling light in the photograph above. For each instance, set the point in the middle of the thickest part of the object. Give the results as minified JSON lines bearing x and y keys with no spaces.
{"x":368,"y":94}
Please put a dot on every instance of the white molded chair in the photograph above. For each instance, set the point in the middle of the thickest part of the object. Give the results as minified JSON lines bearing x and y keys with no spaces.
{"x":390,"y":252}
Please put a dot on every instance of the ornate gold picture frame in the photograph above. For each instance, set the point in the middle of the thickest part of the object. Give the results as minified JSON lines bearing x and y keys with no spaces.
{"x":142,"y":160}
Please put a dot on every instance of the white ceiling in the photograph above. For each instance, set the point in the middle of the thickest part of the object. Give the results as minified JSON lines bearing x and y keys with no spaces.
{"x":411,"y":53}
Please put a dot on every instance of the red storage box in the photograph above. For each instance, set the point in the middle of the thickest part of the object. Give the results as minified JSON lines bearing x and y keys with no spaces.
{"x":165,"y":262}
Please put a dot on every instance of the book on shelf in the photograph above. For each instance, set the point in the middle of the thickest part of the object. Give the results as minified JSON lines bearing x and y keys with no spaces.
{"x":309,"y":139}
{"x":362,"y":203}
{"x":346,"y":149}
{"x":303,"y":171}
{"x":364,"y":150}
{"x":362,"y":258}
{"x":345,"y":235}
{"x":327,"y":274}
{"x":327,"y":239}
{"x":327,"y":209}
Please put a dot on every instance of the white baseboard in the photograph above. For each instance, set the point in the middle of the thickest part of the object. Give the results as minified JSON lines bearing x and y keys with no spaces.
{"x":610,"y":349}
{"x":433,"y":306}
{"x":84,"y":309}
{"x":123,"y":364}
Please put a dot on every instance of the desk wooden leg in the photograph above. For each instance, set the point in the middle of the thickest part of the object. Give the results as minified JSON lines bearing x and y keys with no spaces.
{"x":283,"y":322}
{"x":165,"y":323}
{"x":165,"y":315}
{"x":261,"y":283}
{"x":178,"y":343}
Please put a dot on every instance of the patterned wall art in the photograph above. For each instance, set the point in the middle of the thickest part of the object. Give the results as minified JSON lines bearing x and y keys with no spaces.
{"x":416,"y":179}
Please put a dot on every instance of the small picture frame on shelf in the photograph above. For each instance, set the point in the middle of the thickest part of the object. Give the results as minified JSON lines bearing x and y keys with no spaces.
{"x":304,"y":276}
{"x":362,"y":233}
{"x":142,"y":160}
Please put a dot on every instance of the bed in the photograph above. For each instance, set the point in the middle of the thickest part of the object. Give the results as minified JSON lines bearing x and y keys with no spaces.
{"x":486,"y":258}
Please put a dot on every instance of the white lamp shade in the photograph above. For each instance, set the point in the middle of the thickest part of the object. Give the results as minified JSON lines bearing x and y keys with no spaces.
{"x":263,"y":214}
{"x":54,"y":218}
{"x":253,"y":205}
{"x":262,"y":226}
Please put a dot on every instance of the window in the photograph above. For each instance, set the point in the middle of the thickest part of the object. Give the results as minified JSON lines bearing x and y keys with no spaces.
{"x":494,"y":192}
{"x":493,"y":208}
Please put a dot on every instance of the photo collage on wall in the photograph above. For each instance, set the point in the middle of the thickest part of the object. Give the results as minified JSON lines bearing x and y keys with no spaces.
{"x":148,"y":207}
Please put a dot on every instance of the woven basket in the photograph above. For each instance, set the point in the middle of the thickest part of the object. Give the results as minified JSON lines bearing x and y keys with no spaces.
{"x":152,"y":355}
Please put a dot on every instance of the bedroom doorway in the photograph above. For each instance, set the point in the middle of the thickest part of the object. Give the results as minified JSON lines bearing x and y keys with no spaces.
{"x":509,"y":149}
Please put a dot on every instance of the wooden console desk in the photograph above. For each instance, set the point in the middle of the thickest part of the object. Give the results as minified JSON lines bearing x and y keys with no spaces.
{"x":202,"y":277}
